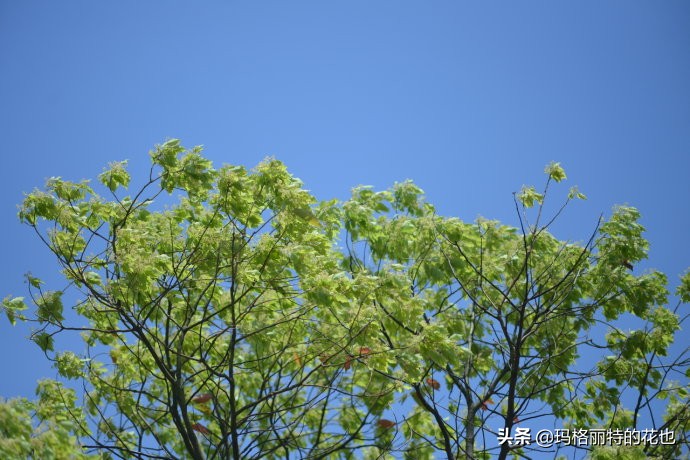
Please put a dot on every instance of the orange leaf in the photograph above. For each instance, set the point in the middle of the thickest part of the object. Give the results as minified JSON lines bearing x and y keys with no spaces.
{"x":364,"y":351}
{"x":297,"y":359}
{"x":203,"y":398}
{"x":433,"y":383}
{"x":348,"y":363}
{"x":385,"y":423}
{"x":201,"y":429}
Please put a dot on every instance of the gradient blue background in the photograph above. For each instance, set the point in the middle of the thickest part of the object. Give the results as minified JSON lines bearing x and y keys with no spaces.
{"x":469,"y":99}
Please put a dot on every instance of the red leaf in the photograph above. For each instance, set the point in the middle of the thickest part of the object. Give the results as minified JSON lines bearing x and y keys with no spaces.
{"x":364,"y":351}
{"x":201,"y":429}
{"x":385,"y":423}
{"x":433,"y":383}
{"x":348,"y":363}
{"x":203,"y":398}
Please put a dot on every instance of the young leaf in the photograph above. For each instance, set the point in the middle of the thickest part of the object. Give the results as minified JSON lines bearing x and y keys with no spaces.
{"x":201,"y":429}
{"x":12,"y":306}
{"x":307,"y":215}
{"x":115,"y":176}
{"x":528,"y":196}
{"x":43,"y":340}
{"x":202,"y":398}
{"x":555,"y":171}
{"x":575,"y":193}
{"x":433,"y":383}
{"x":385,"y":423}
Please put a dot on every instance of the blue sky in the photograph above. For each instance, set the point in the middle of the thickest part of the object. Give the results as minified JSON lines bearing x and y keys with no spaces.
{"x":468,"y":99}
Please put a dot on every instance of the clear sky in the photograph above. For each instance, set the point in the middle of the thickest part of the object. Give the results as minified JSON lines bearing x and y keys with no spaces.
{"x":469,"y":99}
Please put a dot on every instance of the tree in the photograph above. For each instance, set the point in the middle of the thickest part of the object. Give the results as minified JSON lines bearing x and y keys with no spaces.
{"x":44,"y":429}
{"x":223,"y":321}
{"x":498,"y":317}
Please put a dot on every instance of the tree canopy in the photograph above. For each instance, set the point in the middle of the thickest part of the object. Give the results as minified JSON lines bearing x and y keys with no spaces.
{"x":227,"y":314}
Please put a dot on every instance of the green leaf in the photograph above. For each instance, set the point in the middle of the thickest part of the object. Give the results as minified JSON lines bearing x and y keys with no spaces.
{"x":12,"y":306}
{"x":33,"y":281}
{"x":115,"y":176}
{"x":69,"y":365}
{"x":50,"y":307}
{"x":683,"y":289}
{"x":555,"y":171}
{"x":307,"y":215}
{"x":528,"y":196}
{"x":43,"y":340}
{"x":93,"y":278}
{"x":575,"y":193}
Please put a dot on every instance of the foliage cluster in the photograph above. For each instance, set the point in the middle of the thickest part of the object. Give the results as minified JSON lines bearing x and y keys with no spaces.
{"x":246,"y":320}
